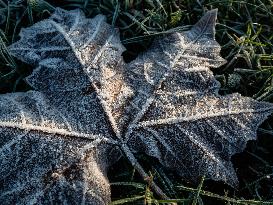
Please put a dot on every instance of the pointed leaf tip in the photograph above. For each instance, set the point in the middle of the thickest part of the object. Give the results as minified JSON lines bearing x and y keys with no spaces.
{"x":206,"y":25}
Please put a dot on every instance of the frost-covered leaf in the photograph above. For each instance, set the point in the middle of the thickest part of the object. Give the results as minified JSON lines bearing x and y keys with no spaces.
{"x":177,"y":114}
{"x":57,"y":142}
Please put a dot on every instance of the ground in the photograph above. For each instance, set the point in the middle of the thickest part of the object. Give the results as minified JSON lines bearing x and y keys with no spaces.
{"x":245,"y":32}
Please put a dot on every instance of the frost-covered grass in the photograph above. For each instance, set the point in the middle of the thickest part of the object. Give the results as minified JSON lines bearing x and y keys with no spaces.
{"x":245,"y":32}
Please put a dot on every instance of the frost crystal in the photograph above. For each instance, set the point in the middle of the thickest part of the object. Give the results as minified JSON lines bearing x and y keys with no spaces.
{"x":57,"y":142}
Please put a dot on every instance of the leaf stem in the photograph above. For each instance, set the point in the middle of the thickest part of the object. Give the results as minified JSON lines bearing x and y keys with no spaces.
{"x":142,"y":172}
{"x":126,"y":150}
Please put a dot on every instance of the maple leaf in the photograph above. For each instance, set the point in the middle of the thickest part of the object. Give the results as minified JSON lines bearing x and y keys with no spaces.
{"x":57,"y":142}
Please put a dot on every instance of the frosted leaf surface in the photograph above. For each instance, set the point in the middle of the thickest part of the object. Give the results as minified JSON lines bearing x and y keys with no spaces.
{"x":177,"y":114}
{"x":57,"y":142}
{"x":53,"y":149}
{"x":54,"y":142}
{"x":71,"y":52}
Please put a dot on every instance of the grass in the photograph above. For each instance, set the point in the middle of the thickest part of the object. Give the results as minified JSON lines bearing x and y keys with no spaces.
{"x":245,"y":32}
